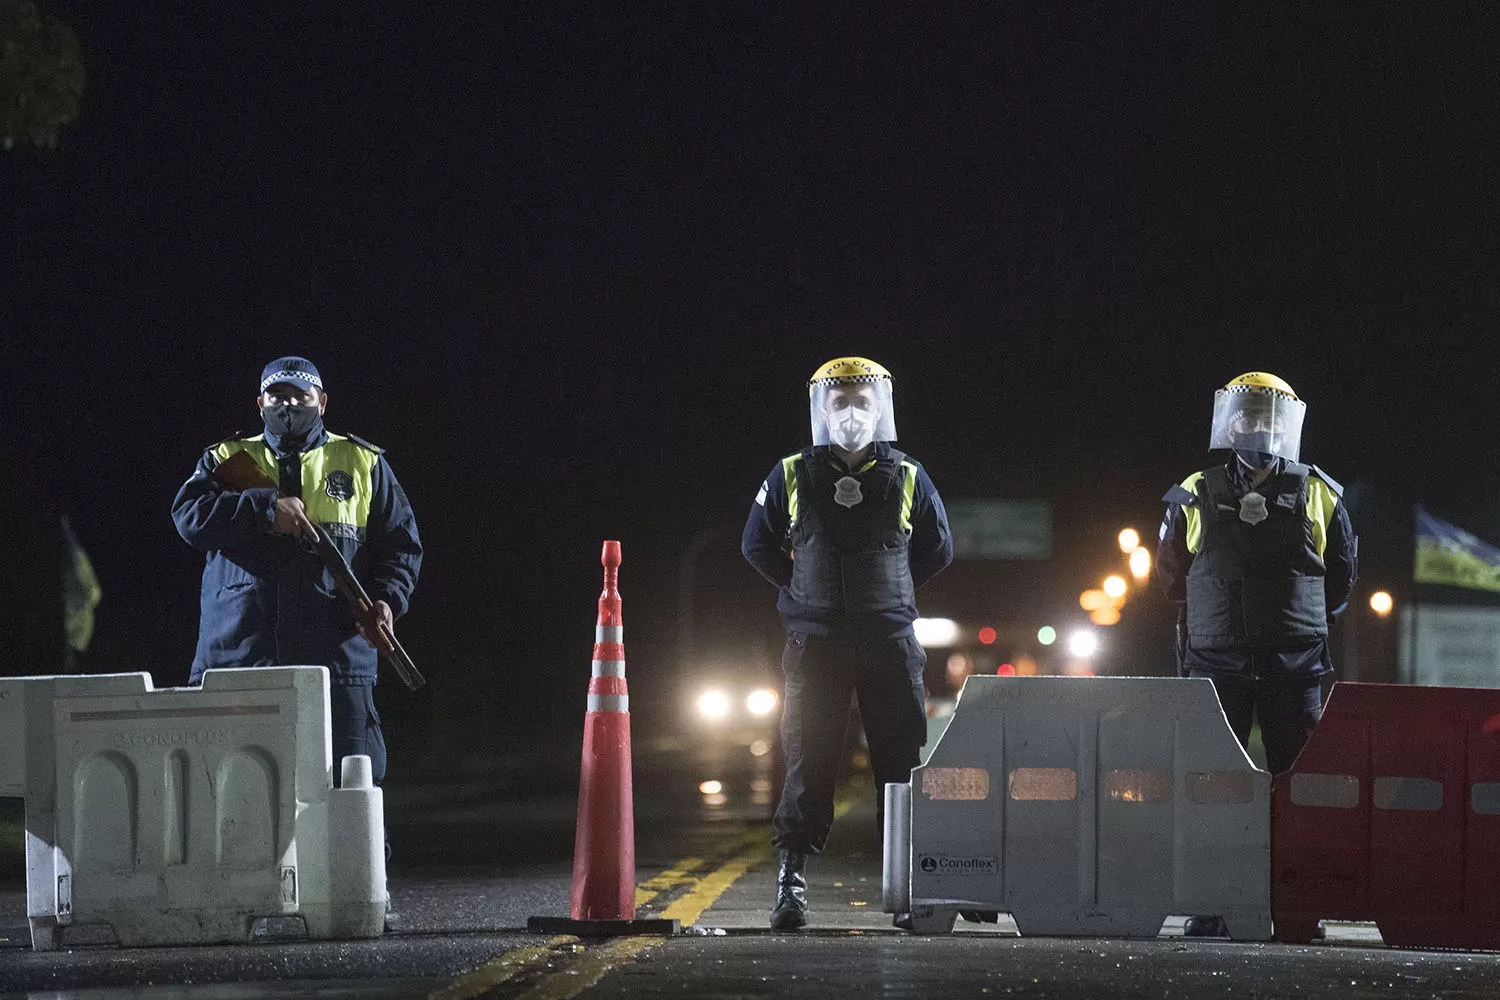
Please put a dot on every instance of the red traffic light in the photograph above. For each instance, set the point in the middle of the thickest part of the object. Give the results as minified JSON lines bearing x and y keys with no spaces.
{"x":987,"y":635}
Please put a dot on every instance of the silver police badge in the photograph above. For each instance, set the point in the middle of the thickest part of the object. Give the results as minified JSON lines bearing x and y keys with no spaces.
{"x":339,"y":485}
{"x":1253,"y":508}
{"x":846,"y":492}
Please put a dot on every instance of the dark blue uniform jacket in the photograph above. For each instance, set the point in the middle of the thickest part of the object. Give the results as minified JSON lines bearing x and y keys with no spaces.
{"x":266,"y":599}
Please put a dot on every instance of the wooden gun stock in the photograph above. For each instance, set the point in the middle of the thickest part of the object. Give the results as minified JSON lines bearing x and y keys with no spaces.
{"x":240,"y":472}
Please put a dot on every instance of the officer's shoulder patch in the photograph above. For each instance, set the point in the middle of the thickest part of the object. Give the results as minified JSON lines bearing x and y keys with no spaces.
{"x":1180,"y":496}
{"x":365,"y":444}
{"x":1333,"y":484}
{"x":236,"y":436}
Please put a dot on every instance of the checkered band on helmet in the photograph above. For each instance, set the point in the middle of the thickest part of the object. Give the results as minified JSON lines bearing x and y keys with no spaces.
{"x":1257,"y":388}
{"x":849,"y":371}
{"x":1260,"y":381}
{"x":849,"y":380}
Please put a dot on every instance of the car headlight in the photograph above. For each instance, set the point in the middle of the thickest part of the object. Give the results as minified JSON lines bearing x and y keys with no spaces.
{"x":762,"y":701}
{"x":713,"y":704}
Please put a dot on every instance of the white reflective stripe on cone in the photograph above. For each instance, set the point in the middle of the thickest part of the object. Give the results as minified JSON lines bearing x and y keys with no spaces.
{"x":609,"y":633}
{"x":609,"y":703}
{"x":609,"y":668}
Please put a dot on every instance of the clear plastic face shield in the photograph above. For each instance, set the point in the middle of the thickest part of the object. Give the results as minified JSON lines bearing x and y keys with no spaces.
{"x":1258,"y":421}
{"x":852,"y":415}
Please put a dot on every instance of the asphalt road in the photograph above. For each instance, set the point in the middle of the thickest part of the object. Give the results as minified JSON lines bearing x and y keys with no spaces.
{"x":483,"y":849}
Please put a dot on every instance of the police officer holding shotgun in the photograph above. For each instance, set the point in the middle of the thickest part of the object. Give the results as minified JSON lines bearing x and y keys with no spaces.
{"x":267,"y":598}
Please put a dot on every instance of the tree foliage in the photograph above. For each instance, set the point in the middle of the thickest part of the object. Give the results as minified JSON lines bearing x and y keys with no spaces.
{"x":41,"y":75}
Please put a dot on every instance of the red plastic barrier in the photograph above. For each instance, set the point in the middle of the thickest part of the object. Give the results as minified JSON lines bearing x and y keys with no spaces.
{"x":1392,"y":814}
{"x":604,"y":849}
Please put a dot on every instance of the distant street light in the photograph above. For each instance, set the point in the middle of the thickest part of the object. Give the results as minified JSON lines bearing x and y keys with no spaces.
{"x":1140,"y":564}
{"x":935,"y":631}
{"x":1083,"y":643}
{"x":1092,"y":600}
{"x":1381,"y":603}
{"x":1130,"y":540}
{"x":1105,"y":616}
{"x":960,"y":665}
{"x":1114,"y":586}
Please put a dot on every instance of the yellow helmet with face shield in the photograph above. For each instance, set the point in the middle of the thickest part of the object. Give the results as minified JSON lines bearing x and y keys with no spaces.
{"x":844,"y":371}
{"x":1259,"y":417}
{"x":850,"y":404}
{"x":1260,"y":380}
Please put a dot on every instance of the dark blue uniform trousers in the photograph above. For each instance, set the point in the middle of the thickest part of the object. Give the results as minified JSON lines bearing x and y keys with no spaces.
{"x":356,"y":726}
{"x":1280,"y":689}
{"x":822,"y":671}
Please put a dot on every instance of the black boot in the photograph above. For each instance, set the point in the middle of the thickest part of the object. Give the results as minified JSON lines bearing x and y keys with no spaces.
{"x":790,"y":911}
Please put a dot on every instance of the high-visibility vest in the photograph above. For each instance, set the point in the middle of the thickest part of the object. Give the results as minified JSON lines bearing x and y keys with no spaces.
{"x":337,"y":479}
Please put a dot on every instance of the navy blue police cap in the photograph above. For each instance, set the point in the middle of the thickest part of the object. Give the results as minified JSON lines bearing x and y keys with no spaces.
{"x":299,"y":371}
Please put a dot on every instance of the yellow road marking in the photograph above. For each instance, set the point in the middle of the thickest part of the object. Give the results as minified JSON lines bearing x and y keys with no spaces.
{"x":757,"y":848}
{"x":690,"y":906}
{"x":677,"y":875}
{"x":498,"y":970}
{"x":584,"y":973}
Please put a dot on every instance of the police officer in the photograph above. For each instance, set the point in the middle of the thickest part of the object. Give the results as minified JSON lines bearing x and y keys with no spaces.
{"x":266,"y":598}
{"x":1259,"y":555}
{"x":847,"y":530}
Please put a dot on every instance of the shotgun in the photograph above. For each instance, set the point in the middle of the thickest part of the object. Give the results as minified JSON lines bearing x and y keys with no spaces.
{"x":240,"y":472}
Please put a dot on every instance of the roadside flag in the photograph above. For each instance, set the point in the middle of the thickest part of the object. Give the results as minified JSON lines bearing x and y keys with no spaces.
{"x":1447,"y":554}
{"x":81,"y":592}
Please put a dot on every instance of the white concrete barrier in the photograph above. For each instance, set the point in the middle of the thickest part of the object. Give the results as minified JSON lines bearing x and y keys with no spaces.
{"x":183,"y":815}
{"x":1084,"y":806}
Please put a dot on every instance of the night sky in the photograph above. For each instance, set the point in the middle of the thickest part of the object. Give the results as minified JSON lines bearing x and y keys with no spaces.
{"x":572,"y":268}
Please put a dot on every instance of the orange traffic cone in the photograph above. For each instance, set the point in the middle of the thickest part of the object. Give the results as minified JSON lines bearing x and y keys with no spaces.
{"x":603,"y":896}
{"x":604,"y":848}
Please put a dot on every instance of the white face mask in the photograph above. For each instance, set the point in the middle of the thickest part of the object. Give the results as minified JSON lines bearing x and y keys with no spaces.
{"x":851,"y":428}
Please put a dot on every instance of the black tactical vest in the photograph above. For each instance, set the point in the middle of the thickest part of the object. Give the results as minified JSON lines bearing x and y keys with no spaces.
{"x":1255,"y":584}
{"x":850,"y":558}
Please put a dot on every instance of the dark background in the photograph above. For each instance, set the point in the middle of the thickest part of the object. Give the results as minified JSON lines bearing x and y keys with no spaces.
{"x":572,"y":268}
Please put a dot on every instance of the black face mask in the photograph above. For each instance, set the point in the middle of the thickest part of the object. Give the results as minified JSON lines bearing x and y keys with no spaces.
{"x":1256,"y":460}
{"x":290,"y":421}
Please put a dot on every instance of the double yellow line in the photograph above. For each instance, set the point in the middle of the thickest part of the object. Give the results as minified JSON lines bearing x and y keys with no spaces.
{"x":592,"y":966}
{"x":586,"y":970}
